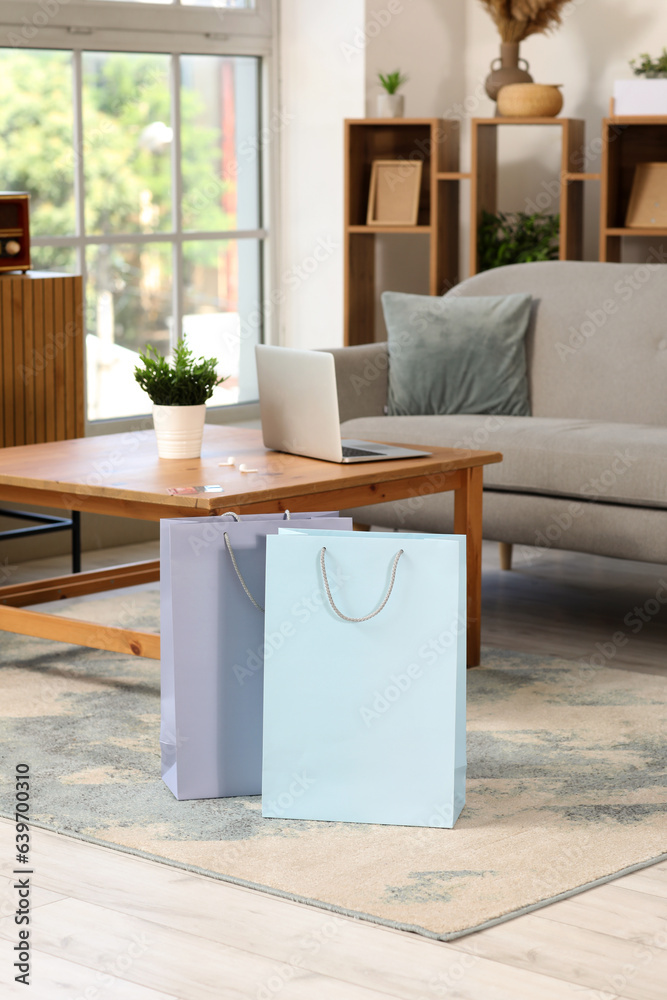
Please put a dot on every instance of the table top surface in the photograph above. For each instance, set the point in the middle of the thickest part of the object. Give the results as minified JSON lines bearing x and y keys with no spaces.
{"x":126,"y":467}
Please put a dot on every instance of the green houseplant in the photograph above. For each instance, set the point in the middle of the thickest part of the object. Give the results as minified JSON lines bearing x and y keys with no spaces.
{"x":517,"y":238}
{"x":178,"y":390}
{"x":648,"y":67}
{"x":391,"y":104}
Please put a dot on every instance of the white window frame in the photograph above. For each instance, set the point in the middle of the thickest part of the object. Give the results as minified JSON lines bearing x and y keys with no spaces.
{"x":95,"y":25}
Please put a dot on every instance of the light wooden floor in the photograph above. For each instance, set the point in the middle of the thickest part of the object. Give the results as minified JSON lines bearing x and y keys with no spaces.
{"x":107,"y":925}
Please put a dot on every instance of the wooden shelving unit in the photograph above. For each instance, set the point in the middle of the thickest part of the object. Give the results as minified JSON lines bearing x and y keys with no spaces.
{"x":626,"y":142}
{"x":484,"y":186}
{"x":435,"y":141}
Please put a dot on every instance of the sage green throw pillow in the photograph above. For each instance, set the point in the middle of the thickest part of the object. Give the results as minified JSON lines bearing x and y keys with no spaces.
{"x":457,"y":354}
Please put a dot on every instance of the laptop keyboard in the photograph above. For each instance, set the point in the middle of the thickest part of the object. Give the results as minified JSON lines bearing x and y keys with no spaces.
{"x":353,"y":452}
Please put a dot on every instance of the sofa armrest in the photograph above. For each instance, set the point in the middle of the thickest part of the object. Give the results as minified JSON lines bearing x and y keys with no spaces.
{"x":361,"y":379}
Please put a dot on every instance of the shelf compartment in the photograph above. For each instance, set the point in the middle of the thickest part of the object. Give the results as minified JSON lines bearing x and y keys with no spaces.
{"x":381,"y":139}
{"x":626,"y":145}
{"x":484,"y":186}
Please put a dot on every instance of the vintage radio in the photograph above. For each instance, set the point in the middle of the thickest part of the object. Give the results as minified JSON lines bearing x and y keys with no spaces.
{"x":14,"y":231}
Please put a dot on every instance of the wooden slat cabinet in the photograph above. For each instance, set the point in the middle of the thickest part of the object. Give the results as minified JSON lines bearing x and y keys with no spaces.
{"x":41,"y":358}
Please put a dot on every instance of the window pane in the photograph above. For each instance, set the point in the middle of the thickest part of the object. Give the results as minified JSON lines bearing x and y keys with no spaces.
{"x":220,"y":158}
{"x":221,"y":315}
{"x":127,"y":142}
{"x":128,"y":300}
{"x":54,"y":259}
{"x":36,"y":151}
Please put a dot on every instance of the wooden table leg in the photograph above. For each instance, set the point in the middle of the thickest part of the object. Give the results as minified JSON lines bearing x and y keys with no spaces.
{"x":80,"y":633}
{"x":468,"y":522}
{"x":14,"y":617}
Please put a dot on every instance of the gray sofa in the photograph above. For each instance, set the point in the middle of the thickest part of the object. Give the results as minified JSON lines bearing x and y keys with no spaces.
{"x":588,"y":470}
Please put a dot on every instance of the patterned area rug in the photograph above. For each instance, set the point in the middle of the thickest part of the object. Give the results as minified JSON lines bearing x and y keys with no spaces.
{"x":567,"y":776}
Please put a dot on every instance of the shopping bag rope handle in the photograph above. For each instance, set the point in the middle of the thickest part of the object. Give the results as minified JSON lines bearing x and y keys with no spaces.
{"x":230,"y":513}
{"x":238,"y":573}
{"x":373,"y":613}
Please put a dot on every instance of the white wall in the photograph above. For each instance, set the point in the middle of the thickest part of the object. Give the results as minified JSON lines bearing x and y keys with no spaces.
{"x":321,"y":83}
{"x":422,"y":38}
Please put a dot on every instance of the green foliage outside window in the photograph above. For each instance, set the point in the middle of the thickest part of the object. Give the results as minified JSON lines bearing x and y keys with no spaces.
{"x":127,"y":170}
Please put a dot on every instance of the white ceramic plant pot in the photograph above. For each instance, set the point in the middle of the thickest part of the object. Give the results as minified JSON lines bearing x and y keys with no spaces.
{"x":179,"y":430}
{"x":640,"y":97}
{"x":390,"y":105}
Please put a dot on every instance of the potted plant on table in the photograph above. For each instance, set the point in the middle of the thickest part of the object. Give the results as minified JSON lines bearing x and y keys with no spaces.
{"x":391,"y":104}
{"x":178,"y":391}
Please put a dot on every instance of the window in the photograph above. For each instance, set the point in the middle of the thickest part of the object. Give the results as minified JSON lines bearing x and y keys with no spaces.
{"x":144,"y":170}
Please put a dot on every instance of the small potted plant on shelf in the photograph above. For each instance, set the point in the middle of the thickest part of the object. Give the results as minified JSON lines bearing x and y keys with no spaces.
{"x":178,"y":391}
{"x":650,"y":69}
{"x":391,"y":104}
{"x":646,"y":94}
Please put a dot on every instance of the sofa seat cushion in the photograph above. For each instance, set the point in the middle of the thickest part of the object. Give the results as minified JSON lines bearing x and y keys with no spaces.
{"x":612,"y":463}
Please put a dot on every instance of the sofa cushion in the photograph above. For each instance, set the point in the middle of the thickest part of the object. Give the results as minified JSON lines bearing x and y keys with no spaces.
{"x":613,"y":463}
{"x":457,"y":355}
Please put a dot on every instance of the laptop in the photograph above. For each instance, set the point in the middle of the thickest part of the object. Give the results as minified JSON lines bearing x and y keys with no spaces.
{"x":298,"y":405}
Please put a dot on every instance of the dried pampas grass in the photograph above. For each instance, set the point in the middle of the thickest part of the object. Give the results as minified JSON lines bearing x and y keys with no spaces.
{"x":516,"y":19}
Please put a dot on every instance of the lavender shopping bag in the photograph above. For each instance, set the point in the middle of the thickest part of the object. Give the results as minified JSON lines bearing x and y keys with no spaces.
{"x":213,"y":648}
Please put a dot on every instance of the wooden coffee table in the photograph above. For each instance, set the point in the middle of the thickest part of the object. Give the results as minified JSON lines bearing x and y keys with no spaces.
{"x":120,"y":474}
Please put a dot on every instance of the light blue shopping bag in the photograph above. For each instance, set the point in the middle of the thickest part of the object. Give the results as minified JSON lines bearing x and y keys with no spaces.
{"x":364,"y":714}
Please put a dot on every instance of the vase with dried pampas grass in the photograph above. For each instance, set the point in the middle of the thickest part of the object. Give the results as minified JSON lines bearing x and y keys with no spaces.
{"x":516,"y":20}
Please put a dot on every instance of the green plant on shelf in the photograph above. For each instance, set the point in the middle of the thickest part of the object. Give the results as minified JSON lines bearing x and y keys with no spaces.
{"x":651,"y":68}
{"x":517,"y":238}
{"x":187,"y":381}
{"x":392,"y":81}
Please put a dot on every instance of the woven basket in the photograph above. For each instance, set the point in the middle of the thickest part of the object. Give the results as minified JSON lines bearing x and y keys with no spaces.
{"x":530,"y":100}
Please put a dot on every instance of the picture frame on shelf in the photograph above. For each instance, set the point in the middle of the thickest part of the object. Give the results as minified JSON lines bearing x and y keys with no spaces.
{"x":648,"y":198}
{"x":393,"y":198}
